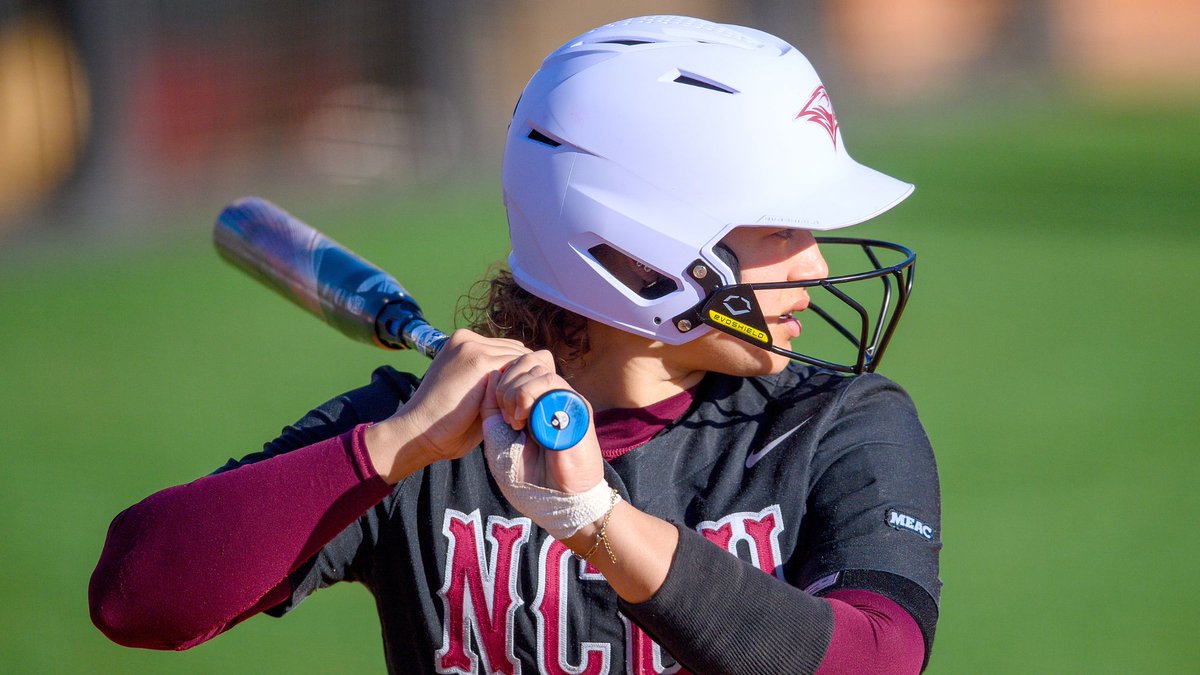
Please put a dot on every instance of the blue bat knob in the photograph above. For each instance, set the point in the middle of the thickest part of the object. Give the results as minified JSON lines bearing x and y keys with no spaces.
{"x":559,"y":419}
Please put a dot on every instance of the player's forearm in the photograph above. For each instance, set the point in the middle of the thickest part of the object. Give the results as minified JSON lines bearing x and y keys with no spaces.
{"x":716,"y":614}
{"x":395,"y":450}
{"x":191,"y":561}
{"x":642,"y":546}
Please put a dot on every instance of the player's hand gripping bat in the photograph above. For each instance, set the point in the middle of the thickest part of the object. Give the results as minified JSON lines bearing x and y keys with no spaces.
{"x":357,"y":298}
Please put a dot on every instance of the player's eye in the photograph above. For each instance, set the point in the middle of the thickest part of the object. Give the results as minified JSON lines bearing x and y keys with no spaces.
{"x":786,"y":234}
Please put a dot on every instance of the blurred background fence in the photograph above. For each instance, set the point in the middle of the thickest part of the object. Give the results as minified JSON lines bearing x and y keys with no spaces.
{"x":112,"y":113}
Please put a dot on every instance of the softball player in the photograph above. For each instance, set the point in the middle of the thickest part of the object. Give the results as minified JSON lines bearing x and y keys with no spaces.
{"x":737,"y":506}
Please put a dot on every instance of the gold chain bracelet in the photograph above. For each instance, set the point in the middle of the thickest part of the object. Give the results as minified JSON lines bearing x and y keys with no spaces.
{"x":601,"y":534}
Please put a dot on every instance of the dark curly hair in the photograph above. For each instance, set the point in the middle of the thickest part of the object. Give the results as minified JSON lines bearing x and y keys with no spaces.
{"x":497,"y":307}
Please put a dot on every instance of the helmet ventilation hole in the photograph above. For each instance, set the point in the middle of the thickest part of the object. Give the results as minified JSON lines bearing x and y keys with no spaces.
{"x":535,"y":135}
{"x":628,"y":43}
{"x":703,"y":83}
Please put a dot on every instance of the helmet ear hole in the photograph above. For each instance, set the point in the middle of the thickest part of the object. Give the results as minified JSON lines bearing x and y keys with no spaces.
{"x":728,"y":257}
{"x":639,"y":277}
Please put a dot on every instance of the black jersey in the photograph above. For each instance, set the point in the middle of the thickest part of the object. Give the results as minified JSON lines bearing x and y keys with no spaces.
{"x":821,"y":480}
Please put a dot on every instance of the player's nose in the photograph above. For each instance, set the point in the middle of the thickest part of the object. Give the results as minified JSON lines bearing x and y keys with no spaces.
{"x":809,"y":263}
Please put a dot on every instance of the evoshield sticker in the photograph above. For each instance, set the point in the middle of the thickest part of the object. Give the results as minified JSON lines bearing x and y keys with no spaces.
{"x":738,"y":326}
{"x":737,"y":301}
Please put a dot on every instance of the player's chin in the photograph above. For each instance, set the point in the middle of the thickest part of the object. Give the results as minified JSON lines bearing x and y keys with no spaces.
{"x":777,"y":363}
{"x":781,"y":338}
{"x":768,"y":362}
{"x":733,"y":356}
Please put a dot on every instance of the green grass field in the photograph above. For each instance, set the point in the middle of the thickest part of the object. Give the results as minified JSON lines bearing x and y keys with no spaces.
{"x":1049,"y":347}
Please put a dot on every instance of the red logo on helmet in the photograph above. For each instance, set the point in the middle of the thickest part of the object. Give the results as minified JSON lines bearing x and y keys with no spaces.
{"x":819,"y":110}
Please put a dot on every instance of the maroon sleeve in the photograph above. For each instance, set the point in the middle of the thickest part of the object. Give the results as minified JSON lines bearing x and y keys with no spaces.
{"x":871,"y":634}
{"x":191,"y":561}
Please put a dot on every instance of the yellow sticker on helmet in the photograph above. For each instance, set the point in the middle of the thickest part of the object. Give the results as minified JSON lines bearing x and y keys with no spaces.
{"x":740,"y":327}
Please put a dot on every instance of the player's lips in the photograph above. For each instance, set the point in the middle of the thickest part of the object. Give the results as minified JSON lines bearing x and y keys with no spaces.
{"x":789,"y":322}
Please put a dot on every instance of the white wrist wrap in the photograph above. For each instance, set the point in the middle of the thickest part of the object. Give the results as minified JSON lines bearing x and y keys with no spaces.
{"x":559,"y":513}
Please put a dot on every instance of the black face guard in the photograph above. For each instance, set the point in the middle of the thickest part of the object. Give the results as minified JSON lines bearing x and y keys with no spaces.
{"x":734,"y":309}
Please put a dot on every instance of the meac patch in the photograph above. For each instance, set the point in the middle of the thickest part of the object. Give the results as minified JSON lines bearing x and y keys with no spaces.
{"x":905,"y":522}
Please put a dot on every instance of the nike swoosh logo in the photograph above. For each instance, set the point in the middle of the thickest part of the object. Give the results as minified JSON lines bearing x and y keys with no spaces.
{"x":753,"y":458}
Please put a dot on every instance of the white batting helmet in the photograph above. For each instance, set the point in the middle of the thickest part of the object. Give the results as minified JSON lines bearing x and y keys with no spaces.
{"x":654,"y":137}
